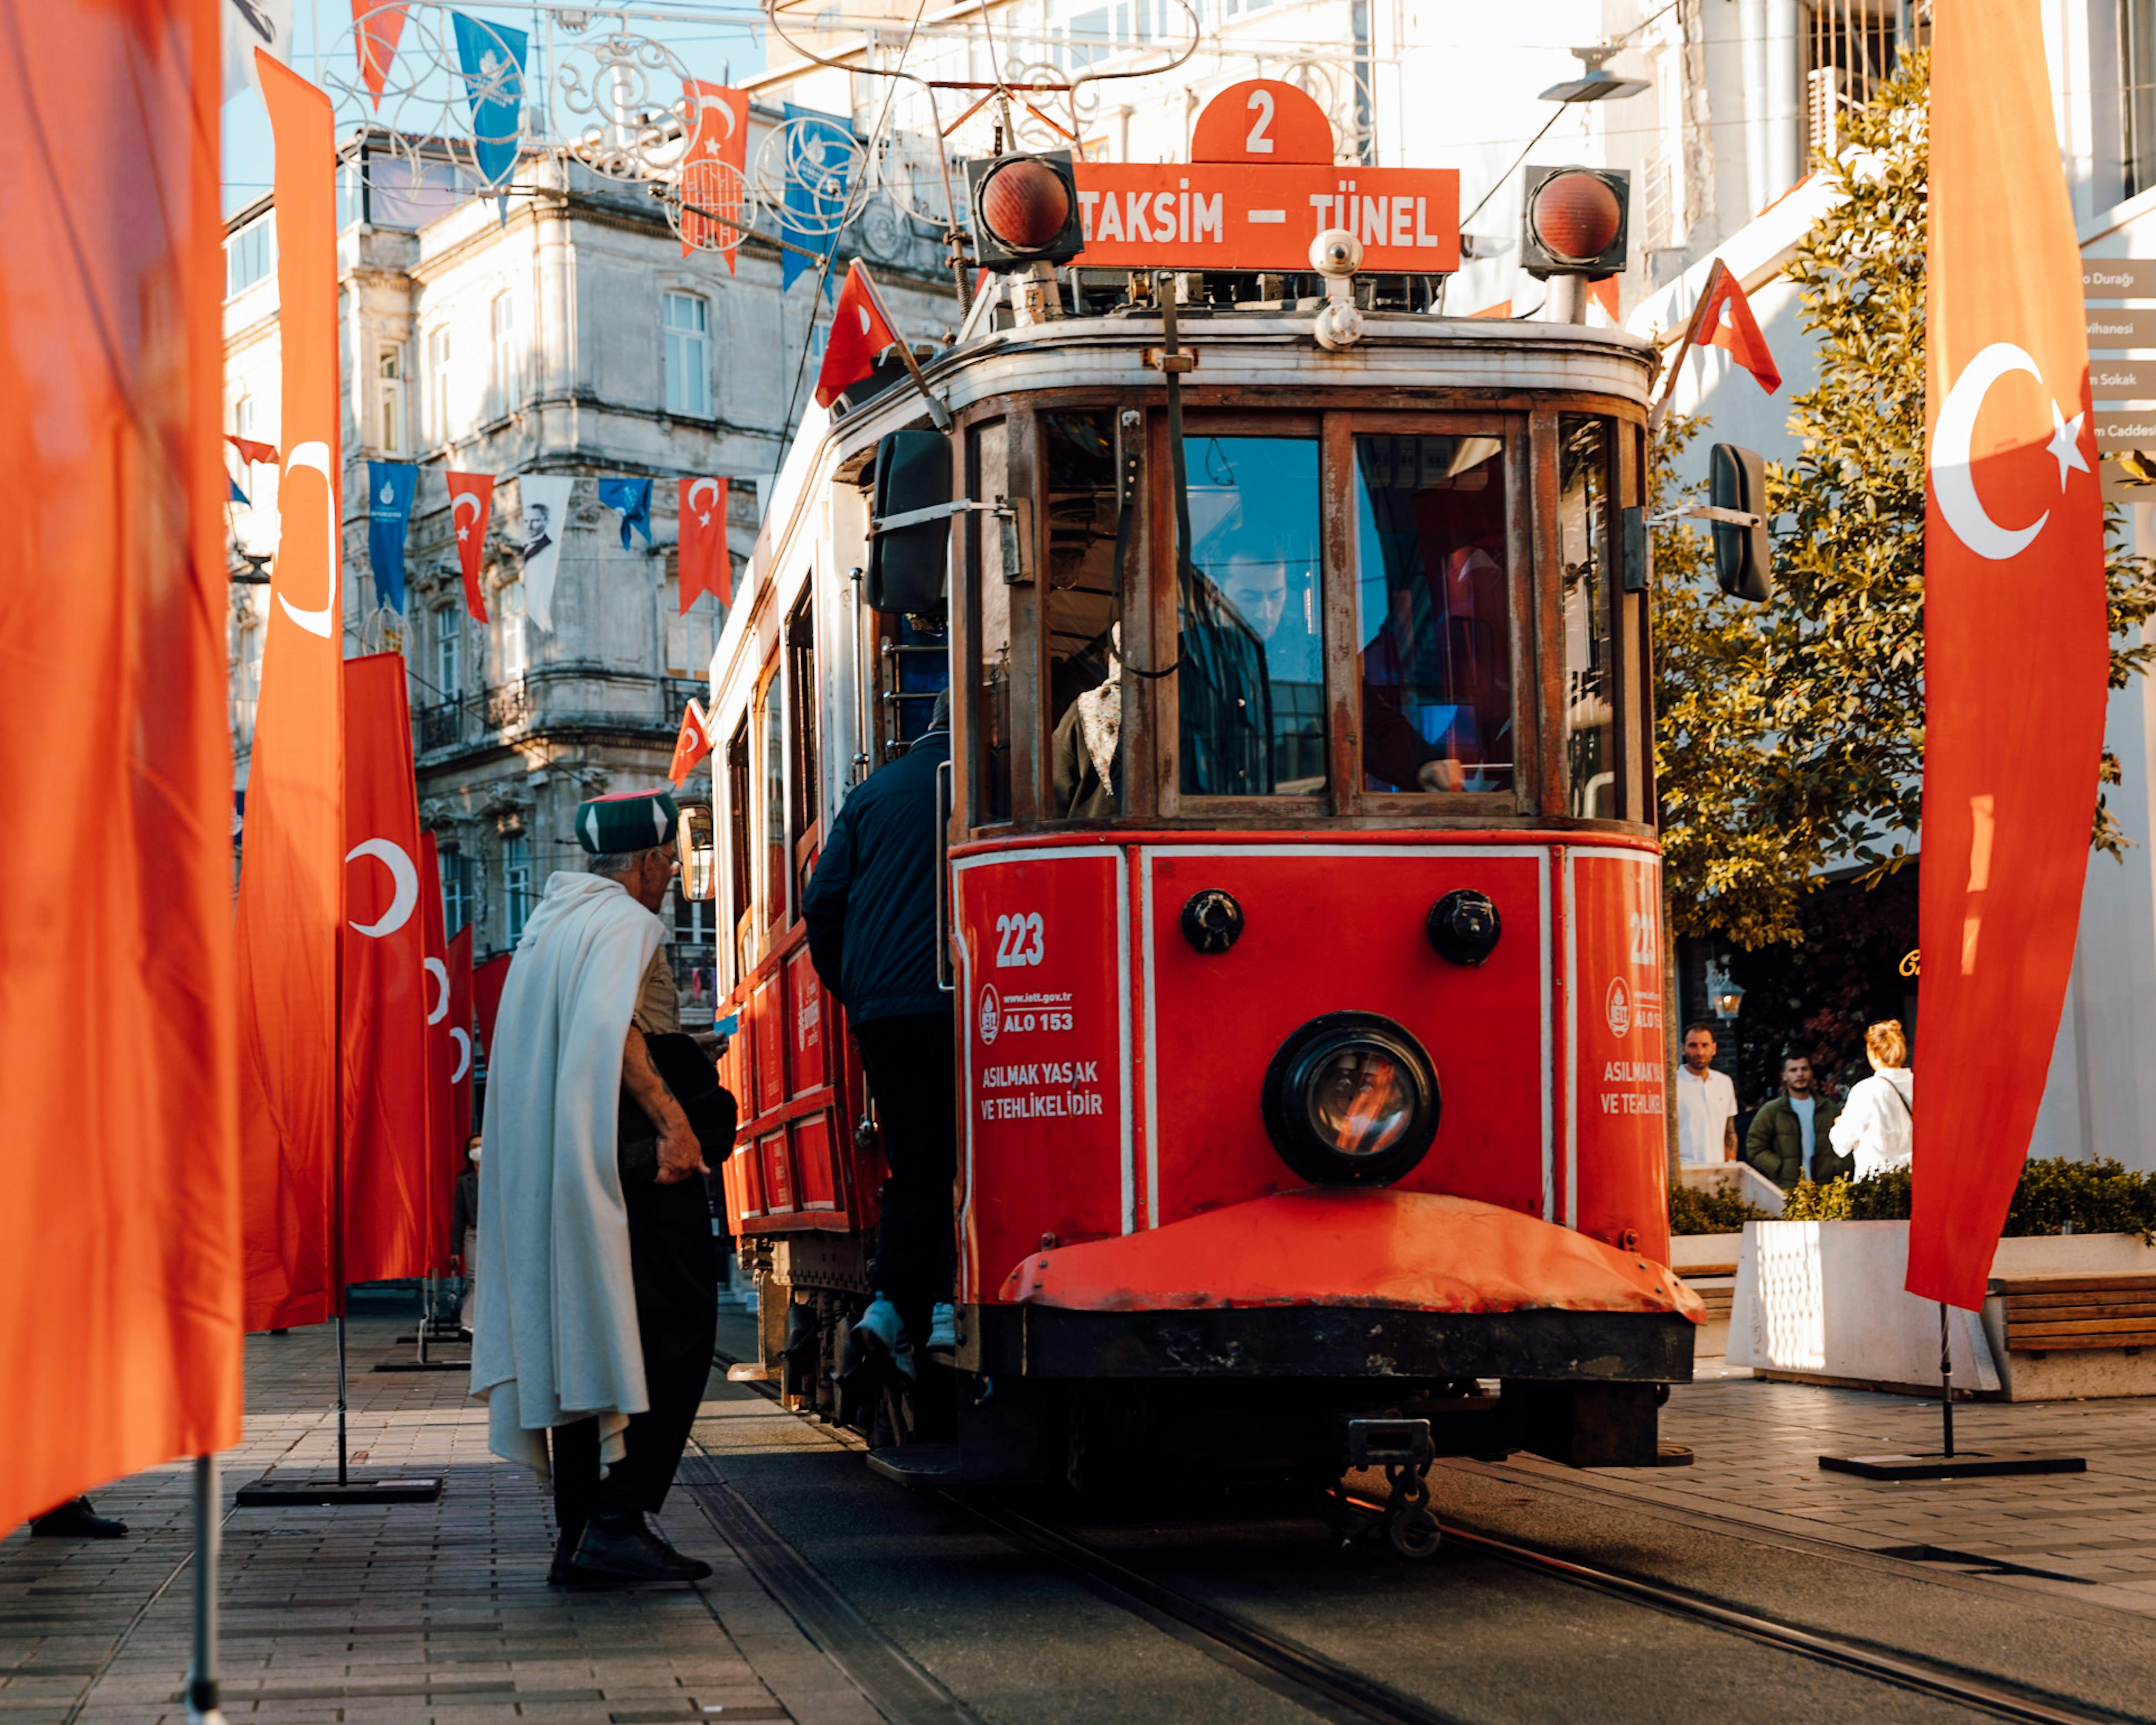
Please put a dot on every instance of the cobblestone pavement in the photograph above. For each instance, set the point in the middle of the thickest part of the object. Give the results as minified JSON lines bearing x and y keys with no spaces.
{"x":396,"y":1614}
{"x":2089,"y":1536}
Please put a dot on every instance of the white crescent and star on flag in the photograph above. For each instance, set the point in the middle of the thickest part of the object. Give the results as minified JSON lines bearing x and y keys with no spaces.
{"x":440,"y":972}
{"x":456,"y":514}
{"x":1954,"y":480}
{"x":703,"y":515}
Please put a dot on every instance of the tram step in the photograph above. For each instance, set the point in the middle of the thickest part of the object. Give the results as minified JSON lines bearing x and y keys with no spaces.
{"x":918,"y":1464}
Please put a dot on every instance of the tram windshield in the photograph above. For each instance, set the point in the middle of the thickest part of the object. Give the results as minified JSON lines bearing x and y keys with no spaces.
{"x":1251,"y":686}
{"x":1433,"y":652}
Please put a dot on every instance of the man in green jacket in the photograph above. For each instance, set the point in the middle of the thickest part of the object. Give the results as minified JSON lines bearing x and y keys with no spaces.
{"x":1789,"y":1134}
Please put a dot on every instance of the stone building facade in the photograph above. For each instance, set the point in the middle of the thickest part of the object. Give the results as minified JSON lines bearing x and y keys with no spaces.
{"x":563,"y":332}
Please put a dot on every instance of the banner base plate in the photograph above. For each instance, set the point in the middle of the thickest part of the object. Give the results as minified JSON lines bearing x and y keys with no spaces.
{"x":266,"y":1493}
{"x":1968,"y":1465}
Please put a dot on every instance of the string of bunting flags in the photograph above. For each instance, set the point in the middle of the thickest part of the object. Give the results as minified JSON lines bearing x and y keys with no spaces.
{"x":706,"y":564}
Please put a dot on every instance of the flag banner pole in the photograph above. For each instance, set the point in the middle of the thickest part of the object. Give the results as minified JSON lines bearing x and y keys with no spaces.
{"x":344,"y":1477}
{"x":203,"y":1707}
{"x":1946,"y":1386}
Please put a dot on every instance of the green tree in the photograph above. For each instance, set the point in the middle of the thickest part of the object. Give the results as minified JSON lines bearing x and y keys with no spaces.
{"x":1791,"y":735}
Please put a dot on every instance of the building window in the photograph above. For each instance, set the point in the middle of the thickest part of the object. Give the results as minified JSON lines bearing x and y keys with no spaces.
{"x":516,"y":887}
{"x":505,"y":378}
{"x":688,"y":363}
{"x":448,"y":658}
{"x":2137,"y":101}
{"x":246,"y":681}
{"x":390,"y":369}
{"x":510,"y":613}
{"x":250,"y":255}
{"x":437,"y":384}
{"x":456,"y":901}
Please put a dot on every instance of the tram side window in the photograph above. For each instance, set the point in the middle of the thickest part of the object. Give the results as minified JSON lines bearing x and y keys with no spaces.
{"x":1251,"y":686}
{"x":738,"y":785}
{"x":1083,"y":638}
{"x":775,"y":871}
{"x":808,"y":789}
{"x":1590,"y":658}
{"x":1433,"y":626}
{"x":988,"y":466}
{"x":919,"y":664}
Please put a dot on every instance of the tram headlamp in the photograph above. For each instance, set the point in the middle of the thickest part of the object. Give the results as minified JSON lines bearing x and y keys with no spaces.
{"x":1025,"y":209}
{"x":1350,"y":1099}
{"x":1573,"y":221}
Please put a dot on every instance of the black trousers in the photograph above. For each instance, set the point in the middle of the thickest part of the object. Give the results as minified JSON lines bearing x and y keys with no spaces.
{"x":911,"y":1062}
{"x":675,"y":1269}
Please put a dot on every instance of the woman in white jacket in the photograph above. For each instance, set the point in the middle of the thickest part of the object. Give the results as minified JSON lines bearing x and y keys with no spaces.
{"x":1874,"y":1123}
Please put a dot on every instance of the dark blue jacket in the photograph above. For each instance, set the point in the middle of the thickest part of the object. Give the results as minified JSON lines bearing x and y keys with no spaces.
{"x":871,"y":906}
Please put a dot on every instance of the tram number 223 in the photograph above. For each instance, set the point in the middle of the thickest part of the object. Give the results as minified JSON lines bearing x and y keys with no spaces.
{"x":1018,"y":939}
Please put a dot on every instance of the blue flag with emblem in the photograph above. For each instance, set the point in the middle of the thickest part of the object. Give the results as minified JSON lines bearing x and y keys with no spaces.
{"x":233,"y":494}
{"x":819,"y":159}
{"x":492,"y":58}
{"x":633,"y":498}
{"x":388,"y":512}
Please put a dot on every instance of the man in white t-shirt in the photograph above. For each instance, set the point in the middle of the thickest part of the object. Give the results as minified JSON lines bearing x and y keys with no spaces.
{"x":1706,"y":1104}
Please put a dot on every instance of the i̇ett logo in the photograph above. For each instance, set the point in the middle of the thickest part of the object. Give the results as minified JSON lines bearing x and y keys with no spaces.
{"x":1619,"y":1006}
{"x":992,"y":1014}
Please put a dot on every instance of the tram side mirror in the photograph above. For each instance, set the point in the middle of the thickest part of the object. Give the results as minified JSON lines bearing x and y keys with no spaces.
{"x":696,"y":844}
{"x":1743,"y":553}
{"x":908,"y":563}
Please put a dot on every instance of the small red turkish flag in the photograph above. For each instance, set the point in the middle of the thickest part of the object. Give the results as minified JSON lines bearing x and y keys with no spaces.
{"x":1726,"y":321}
{"x":691,"y":746}
{"x":252,"y":449}
{"x":859,"y":331}
{"x":475,"y":489}
{"x":706,"y":565}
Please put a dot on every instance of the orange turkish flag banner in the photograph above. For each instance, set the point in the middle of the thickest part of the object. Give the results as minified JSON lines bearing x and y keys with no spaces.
{"x":442,"y":1152}
{"x":387,"y":1180}
{"x":471,"y":507}
{"x":292,"y":868}
{"x":859,"y":331}
{"x":120,"y":1331}
{"x":460,"y":1043}
{"x":714,"y":168}
{"x":706,"y":566}
{"x":690,"y":747}
{"x":1726,"y":321}
{"x":488,"y":982}
{"x":375,"y":29}
{"x":2016,"y":660}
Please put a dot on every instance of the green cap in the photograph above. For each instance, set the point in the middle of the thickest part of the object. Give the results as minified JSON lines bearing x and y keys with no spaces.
{"x":629,"y":820}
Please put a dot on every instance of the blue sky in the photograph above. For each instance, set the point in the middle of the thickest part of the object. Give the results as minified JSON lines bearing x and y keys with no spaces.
{"x":726,"y":40}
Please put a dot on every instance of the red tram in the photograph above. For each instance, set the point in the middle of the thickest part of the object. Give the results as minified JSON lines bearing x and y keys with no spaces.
{"x":1302,"y":887}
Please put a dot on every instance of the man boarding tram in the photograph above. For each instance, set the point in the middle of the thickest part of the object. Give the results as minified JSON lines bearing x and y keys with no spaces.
{"x":598,"y":1289}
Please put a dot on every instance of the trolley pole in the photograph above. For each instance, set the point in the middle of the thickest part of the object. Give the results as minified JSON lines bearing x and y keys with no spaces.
{"x":203,"y":1707}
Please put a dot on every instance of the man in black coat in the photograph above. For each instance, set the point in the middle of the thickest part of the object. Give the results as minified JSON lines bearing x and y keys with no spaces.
{"x":871,"y":908}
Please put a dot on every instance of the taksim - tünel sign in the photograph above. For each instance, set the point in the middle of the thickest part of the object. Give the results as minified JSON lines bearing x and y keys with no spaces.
{"x":1261,"y":185}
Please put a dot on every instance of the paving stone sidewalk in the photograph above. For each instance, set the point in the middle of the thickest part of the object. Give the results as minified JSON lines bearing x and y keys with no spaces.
{"x":392,"y":1615}
{"x":2090,"y":1537}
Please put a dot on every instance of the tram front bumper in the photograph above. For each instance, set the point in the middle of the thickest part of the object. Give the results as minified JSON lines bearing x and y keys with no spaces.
{"x":1341,"y":1284}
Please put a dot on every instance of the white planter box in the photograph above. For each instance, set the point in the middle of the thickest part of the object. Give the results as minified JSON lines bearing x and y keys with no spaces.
{"x":1824,"y":1301}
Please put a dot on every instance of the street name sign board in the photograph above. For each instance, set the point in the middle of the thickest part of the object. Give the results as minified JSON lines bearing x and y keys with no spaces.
{"x":1261,"y":185}
{"x":2118,"y":278}
{"x":2108,"y":328}
{"x":2123,"y":380}
{"x":2127,"y":431}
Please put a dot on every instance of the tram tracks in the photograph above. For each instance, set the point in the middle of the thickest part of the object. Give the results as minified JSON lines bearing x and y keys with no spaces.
{"x":1337,"y":1692}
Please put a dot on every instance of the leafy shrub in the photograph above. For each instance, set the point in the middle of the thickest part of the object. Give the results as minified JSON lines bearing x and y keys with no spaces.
{"x":2054,"y":1196}
{"x":1693,"y":1211}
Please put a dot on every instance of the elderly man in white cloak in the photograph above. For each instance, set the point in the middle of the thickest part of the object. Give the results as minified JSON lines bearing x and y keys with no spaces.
{"x":597,"y":1280}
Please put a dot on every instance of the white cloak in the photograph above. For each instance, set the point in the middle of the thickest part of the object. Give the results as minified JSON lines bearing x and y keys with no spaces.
{"x":554,"y":1336}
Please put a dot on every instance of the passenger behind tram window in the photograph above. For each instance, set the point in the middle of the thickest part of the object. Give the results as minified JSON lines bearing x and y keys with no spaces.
{"x":1251,"y":686}
{"x":1432,"y":613}
{"x":1085,"y":642}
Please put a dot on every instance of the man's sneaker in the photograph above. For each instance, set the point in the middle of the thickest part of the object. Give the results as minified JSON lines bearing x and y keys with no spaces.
{"x":881,"y":1335}
{"x":566,"y":1575}
{"x":943,"y":1328}
{"x":76,"y":1520}
{"x":625,"y":1546}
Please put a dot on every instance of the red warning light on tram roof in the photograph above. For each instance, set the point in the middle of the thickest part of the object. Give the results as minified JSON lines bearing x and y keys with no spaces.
{"x":1261,"y":188}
